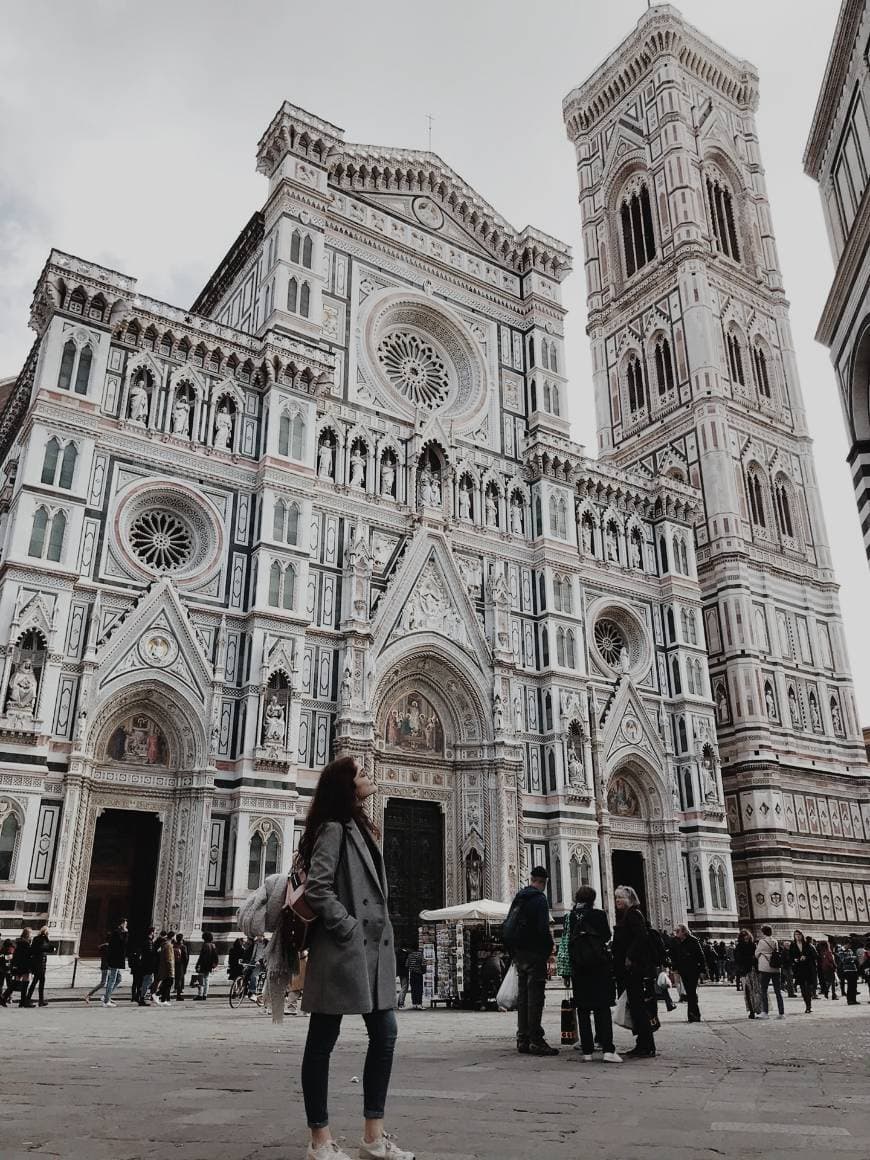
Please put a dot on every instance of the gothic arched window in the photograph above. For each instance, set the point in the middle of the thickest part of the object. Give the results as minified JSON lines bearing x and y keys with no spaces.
{"x":292,"y":295}
{"x":67,"y":363}
{"x":638,"y":236}
{"x":55,"y":539}
{"x":783,"y":508}
{"x":756,"y":500}
{"x":291,"y":434}
{"x":635,"y":384}
{"x":721,"y":207}
{"x":49,"y":463}
{"x":8,"y":840}
{"x":295,"y":244}
{"x":664,"y":366}
{"x":68,"y":466}
{"x":305,"y":300}
{"x":569,"y":650}
{"x":735,"y":358}
{"x":307,"y":249}
{"x":37,"y":533}
{"x":699,"y":888}
{"x":759,"y":362}
{"x":560,"y":647}
{"x":688,"y":790}
{"x":675,"y":674}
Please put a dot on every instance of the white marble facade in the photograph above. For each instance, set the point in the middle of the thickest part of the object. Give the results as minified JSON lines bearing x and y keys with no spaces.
{"x":334,"y":507}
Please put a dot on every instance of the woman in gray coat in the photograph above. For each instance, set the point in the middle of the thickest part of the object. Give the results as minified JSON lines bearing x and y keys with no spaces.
{"x":352,"y":960}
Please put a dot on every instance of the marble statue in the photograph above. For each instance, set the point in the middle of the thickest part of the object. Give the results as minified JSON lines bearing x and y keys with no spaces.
{"x":22,"y":689}
{"x":517,"y":516}
{"x":324,"y":460}
{"x":388,"y":478}
{"x":181,"y":414}
{"x":491,"y":510}
{"x":274,"y":721}
{"x":357,"y":469}
{"x":139,"y":403}
{"x":223,"y":428}
{"x":464,"y":501}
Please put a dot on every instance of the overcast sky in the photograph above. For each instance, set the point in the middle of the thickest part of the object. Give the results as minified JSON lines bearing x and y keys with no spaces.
{"x":128,"y":135}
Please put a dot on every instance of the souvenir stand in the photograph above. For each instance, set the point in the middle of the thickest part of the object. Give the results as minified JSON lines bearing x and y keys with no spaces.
{"x":453,"y":941}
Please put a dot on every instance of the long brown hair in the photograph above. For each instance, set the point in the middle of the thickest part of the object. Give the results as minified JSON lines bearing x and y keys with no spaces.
{"x":334,"y":800}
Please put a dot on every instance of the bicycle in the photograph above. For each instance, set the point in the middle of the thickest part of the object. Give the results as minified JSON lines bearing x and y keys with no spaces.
{"x":239,"y":991}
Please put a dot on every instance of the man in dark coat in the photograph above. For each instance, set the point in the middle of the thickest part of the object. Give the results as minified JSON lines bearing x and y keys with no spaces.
{"x":592,"y":974}
{"x":40,"y":949}
{"x":527,"y":936}
{"x":182,"y":958}
{"x":688,"y":958}
{"x":635,"y":969}
{"x":116,"y":957}
{"x":20,"y":966}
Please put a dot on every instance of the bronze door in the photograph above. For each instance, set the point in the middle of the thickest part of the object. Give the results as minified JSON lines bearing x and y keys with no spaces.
{"x":122,"y":878}
{"x":414,"y":858}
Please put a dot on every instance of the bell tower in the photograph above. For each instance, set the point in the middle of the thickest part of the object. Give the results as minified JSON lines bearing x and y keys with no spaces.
{"x":695,"y":377}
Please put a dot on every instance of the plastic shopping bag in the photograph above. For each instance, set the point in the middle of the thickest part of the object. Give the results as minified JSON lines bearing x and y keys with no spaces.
{"x":664,"y":980}
{"x":508,"y":991}
{"x":622,"y":1015}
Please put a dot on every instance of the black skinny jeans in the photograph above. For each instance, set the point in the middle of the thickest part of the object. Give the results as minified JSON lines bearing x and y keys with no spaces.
{"x":37,"y":980}
{"x":323,"y":1031}
{"x":603,"y":1029}
{"x":636,"y":997}
{"x":805,"y":982}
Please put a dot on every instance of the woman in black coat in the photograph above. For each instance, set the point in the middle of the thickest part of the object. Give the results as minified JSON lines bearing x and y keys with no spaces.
{"x":803,"y":957}
{"x":236,"y":959}
{"x":592,"y":974}
{"x":634,"y":968}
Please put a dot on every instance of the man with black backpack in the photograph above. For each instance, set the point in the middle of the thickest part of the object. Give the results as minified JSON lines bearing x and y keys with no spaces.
{"x":526,"y":934}
{"x":592,"y":974}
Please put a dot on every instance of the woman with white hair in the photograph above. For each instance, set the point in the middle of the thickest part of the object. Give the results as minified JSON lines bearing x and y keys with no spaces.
{"x":634,"y":968}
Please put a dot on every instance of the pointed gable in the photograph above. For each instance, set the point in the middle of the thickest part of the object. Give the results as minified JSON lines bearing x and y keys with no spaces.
{"x":156,"y":638}
{"x":626,"y":728}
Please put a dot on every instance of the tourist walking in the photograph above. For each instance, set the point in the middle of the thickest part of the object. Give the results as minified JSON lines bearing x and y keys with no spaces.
{"x":103,"y":950}
{"x":40,"y":949}
{"x":526,"y":935}
{"x":848,"y":960}
{"x":351,"y":966}
{"x":803,"y":958}
{"x":165,"y":967}
{"x":746,"y":968}
{"x":402,"y":972}
{"x":769,"y":959}
{"x":787,"y":975}
{"x":147,"y":968}
{"x":19,"y":969}
{"x":689,"y":960}
{"x":206,"y":962}
{"x":416,"y":968}
{"x":827,"y":970}
{"x":634,"y":969}
{"x":182,"y":958}
{"x":7,"y":947}
{"x":592,"y":974}
{"x":116,"y":959}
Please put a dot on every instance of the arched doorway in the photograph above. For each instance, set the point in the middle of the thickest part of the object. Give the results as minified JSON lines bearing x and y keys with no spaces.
{"x":447,"y":811}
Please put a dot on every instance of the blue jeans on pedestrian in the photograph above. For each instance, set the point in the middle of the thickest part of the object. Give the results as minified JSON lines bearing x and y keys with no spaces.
{"x":145,"y":988}
{"x":113,"y":978}
{"x":323,"y":1033}
{"x":767,"y":977}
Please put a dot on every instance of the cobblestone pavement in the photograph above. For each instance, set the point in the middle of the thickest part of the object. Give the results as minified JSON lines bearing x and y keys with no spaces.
{"x":199,"y":1081}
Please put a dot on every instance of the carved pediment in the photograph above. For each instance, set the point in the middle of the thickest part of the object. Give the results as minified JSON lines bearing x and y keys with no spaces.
{"x":627,"y":728}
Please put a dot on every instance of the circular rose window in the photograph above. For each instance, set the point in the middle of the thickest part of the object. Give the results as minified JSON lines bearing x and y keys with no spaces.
{"x":609,"y":640}
{"x":165,"y":529}
{"x":161,"y":540}
{"x":414,"y":368}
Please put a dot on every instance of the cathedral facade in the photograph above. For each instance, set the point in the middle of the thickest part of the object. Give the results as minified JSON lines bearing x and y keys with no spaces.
{"x":334,"y":507}
{"x":696,"y":377}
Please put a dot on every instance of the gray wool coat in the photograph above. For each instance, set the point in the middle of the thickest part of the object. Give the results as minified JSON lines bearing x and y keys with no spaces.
{"x":352,"y":960}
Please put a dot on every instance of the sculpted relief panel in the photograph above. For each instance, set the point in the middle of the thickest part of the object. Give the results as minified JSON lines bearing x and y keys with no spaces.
{"x":412,"y":723}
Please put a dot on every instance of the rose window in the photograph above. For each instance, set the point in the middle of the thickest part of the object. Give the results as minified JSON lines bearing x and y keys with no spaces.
{"x":610,"y":641}
{"x":161,"y":540}
{"x":414,"y":368}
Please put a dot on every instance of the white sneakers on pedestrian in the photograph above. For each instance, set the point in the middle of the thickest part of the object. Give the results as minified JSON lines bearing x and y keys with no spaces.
{"x":385,"y":1149}
{"x":328,"y":1151}
{"x":612,"y":1057}
{"x":587,"y":1058}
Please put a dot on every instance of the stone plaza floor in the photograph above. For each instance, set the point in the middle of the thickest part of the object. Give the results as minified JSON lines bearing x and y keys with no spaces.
{"x":199,"y":1081}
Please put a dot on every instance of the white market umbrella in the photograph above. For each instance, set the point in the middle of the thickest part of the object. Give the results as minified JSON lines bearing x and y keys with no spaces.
{"x":484,"y":910}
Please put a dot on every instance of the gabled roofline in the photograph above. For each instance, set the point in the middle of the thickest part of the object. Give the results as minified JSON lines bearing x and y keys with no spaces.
{"x":830,"y":94}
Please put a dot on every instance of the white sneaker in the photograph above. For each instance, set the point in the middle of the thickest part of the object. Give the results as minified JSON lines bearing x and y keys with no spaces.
{"x":587,"y":1058}
{"x":780,"y":1016}
{"x":328,"y":1151}
{"x":385,"y":1149}
{"x":110,"y":1004}
{"x":612,"y":1057}
{"x":762,"y":1015}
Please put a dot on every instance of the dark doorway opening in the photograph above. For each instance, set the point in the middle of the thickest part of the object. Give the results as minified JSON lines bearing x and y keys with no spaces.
{"x":414,"y":859}
{"x":628,"y":870}
{"x":123,"y":875}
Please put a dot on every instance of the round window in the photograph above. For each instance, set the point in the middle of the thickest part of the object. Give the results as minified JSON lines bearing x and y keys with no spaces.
{"x":161,"y":540}
{"x":609,"y":640}
{"x":414,"y":368}
{"x":620,"y":640}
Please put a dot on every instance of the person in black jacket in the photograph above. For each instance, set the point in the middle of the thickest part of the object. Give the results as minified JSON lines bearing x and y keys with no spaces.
{"x":804,"y":963}
{"x":145,"y":958}
{"x":40,"y":949}
{"x":688,"y":958}
{"x":20,"y":966}
{"x":634,"y":968}
{"x":531,"y":944}
{"x":116,"y":958}
{"x":592,"y":974}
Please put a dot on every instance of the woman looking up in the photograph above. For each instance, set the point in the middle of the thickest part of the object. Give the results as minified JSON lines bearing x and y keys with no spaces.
{"x":352,"y":962}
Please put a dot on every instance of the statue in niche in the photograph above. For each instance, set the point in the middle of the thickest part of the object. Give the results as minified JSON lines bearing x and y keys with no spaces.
{"x":708,"y":771}
{"x":624,"y":660}
{"x":357,"y":469}
{"x":181,"y":414}
{"x":436,"y":489}
{"x":223,"y":428}
{"x":464,"y":501}
{"x":497,"y":713}
{"x":426,"y":487}
{"x":611,"y":547}
{"x":517,"y":516}
{"x":490,"y":509}
{"x":518,"y":713}
{"x":721,"y":705}
{"x":576,"y":772}
{"x":815,"y":716}
{"x":274,"y":721}
{"x":346,"y":688}
{"x":388,"y":477}
{"x":770,"y":703}
{"x":794,"y":711}
{"x":473,"y":877}
{"x":324,"y":460}
{"x":21,"y":697}
{"x":139,"y":402}
{"x":836,"y":717}
{"x":636,"y":561}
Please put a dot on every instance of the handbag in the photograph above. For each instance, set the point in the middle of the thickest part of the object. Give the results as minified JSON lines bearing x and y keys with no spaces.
{"x":569,"y":1022}
{"x":622,"y":1015}
{"x":508,"y":992}
{"x":298,"y":915}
